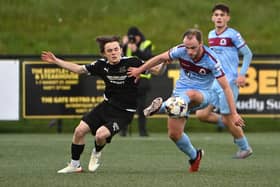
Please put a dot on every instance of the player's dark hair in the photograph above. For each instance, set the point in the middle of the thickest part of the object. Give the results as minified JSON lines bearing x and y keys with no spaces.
{"x":102,"y":40}
{"x":222,"y":7}
{"x":193,"y":32}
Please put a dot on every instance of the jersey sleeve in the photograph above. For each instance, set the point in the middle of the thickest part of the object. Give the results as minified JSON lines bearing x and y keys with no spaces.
{"x":217,"y":68}
{"x":135,"y":61}
{"x":175,"y":52}
{"x":237,"y":39}
{"x":92,"y":68}
{"x":140,"y":62}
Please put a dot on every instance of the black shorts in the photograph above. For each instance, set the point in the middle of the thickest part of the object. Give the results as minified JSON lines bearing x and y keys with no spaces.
{"x":109,"y":116}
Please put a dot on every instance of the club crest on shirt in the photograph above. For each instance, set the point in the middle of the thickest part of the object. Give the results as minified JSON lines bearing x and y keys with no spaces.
{"x":202,"y":71}
{"x":223,"y":41}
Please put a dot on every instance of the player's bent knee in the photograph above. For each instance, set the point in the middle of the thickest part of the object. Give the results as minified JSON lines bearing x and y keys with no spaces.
{"x":174,"y":136}
{"x":79,"y":132}
{"x":192,"y":94}
{"x":195,"y":95}
{"x":101,"y":134}
{"x":201,"y":115}
{"x":100,"y":137}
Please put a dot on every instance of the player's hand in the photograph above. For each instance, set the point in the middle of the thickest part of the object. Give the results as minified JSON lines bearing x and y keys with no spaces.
{"x":240,"y":81}
{"x":134,"y":72}
{"x":48,"y":57}
{"x":238,"y":121}
{"x":167,"y":62}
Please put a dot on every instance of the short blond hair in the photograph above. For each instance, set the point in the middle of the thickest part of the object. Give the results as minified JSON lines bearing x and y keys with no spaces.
{"x":193,"y":32}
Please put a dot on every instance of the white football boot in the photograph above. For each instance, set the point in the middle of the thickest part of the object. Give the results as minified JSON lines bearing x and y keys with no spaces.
{"x":94,"y":161}
{"x":241,"y":154}
{"x":70,"y":169}
{"x":154,"y":107}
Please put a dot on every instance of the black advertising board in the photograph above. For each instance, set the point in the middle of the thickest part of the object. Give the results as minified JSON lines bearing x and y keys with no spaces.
{"x":261,"y":96}
{"x":52,"y":92}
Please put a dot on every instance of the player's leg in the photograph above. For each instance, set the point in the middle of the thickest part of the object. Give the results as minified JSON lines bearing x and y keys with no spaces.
{"x":239,"y":138}
{"x":116,"y":120}
{"x":77,"y":147}
{"x":101,"y":136}
{"x":182,"y":141}
{"x":191,"y":97}
{"x":237,"y":132}
{"x":207,"y":115}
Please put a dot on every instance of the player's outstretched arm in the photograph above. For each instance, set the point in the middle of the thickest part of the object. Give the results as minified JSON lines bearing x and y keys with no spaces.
{"x":49,"y":57}
{"x":159,"y":69}
{"x":161,"y":58}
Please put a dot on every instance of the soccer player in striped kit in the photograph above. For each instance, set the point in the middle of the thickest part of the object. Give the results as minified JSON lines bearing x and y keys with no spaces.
{"x":227,"y":43}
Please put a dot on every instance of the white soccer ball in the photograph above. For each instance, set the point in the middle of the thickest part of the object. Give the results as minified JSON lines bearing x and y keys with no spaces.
{"x":176,"y":107}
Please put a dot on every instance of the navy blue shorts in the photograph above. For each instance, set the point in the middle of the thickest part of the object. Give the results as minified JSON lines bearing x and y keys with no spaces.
{"x":109,"y":116}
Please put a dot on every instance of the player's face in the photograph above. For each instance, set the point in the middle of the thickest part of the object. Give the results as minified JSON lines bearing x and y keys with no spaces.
{"x":113,"y":51}
{"x":220,"y":18}
{"x":193,"y":47}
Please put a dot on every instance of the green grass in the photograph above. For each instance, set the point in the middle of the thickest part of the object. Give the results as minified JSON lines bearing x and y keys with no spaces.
{"x":70,"y":27}
{"x":29,"y":160}
{"x":154,"y":125}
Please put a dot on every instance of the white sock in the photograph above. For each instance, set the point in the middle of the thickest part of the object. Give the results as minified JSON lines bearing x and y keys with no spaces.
{"x":94,"y":151}
{"x":75,"y":163}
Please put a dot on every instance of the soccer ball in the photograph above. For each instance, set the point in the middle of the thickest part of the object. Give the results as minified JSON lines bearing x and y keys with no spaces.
{"x":176,"y":107}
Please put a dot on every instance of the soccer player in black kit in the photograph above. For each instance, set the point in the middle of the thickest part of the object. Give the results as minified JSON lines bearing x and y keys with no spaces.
{"x":118,"y":107}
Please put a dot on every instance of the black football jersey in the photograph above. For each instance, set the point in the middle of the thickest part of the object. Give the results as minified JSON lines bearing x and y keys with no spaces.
{"x":120,"y":90}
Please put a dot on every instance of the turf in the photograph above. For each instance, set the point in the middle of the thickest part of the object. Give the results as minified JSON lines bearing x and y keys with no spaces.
{"x":29,"y":160}
{"x":30,"y":26}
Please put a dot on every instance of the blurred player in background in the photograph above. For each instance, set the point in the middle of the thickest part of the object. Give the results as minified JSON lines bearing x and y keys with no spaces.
{"x":198,"y":69}
{"x":118,"y":107}
{"x":227,"y":43}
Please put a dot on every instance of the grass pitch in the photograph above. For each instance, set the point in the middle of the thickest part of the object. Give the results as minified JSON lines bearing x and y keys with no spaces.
{"x":29,"y":160}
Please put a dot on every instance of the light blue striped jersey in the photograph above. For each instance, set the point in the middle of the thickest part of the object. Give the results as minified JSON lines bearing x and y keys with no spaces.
{"x":198,"y":74}
{"x":226,"y":47}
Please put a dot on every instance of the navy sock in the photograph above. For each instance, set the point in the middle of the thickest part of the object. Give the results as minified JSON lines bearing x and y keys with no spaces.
{"x":98,"y":148}
{"x":76,"y":151}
